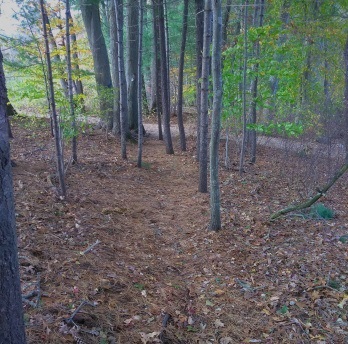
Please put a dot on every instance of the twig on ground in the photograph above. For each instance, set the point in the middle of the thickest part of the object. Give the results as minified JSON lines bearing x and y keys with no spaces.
{"x":38,"y":289}
{"x":70,"y":320}
{"x":91,"y":247}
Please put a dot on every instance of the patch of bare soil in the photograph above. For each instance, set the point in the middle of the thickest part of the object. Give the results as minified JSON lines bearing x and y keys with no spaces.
{"x":153,"y":272}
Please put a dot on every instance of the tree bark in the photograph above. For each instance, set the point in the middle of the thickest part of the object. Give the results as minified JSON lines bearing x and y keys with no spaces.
{"x":157,"y":78}
{"x":203,"y":144}
{"x":132,"y":63}
{"x":199,"y":51}
{"x":57,"y":134}
{"x":258,"y":20}
{"x":226,"y":17}
{"x":70,"y":83}
{"x":346,"y":97}
{"x":165,"y":80}
{"x":245,"y":61}
{"x":91,"y":19}
{"x":12,"y":329}
{"x":140,"y":79}
{"x":122,"y":78}
{"x":181,"y":78}
{"x":215,"y":216}
{"x":116,"y":128}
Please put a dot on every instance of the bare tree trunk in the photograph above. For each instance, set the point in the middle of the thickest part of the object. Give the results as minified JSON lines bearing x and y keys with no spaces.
{"x":181,"y":78}
{"x":91,"y":18}
{"x":70,"y":83}
{"x":140,"y":81}
{"x":122,"y":78}
{"x":253,"y":88}
{"x":158,"y":90}
{"x":215,"y":216}
{"x":346,"y":97}
{"x":242,"y":153}
{"x":75,"y":65}
{"x":116,"y":129}
{"x":203,"y":145}
{"x":165,"y":81}
{"x":132,"y":62}
{"x":12,"y":329}
{"x":199,"y":51}
{"x":57,"y":136}
{"x":226,"y":17}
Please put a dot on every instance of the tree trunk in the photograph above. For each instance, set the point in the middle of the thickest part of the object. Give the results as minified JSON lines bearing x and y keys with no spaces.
{"x":199,"y":51}
{"x":181,"y":78}
{"x":346,"y":97}
{"x":165,"y":80}
{"x":116,"y":128}
{"x":132,"y":63}
{"x":203,"y":145}
{"x":215,"y":216}
{"x":158,"y":77}
{"x":75,"y":65}
{"x":57,"y":134}
{"x":91,"y":20}
{"x":245,"y":58}
{"x":122,"y":78}
{"x":254,"y":83}
{"x":70,"y":83}
{"x":226,"y":17}
{"x":140,"y":79}
{"x":12,"y":329}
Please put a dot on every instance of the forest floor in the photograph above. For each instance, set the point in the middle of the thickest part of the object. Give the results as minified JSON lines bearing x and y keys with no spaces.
{"x":156,"y":274}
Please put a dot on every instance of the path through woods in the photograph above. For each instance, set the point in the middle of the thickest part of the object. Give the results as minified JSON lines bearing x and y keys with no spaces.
{"x":255,"y":281}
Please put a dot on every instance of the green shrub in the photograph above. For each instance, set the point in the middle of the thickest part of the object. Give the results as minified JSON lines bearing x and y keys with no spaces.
{"x":319,"y":211}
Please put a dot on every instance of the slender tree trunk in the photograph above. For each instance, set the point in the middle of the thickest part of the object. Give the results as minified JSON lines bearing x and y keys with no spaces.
{"x":12,"y":329}
{"x":91,"y":18}
{"x":181,"y":78}
{"x":75,"y":65}
{"x":70,"y":83}
{"x":116,"y":129}
{"x":215,"y":216}
{"x":158,"y":77}
{"x":254,"y":83}
{"x":57,"y":136}
{"x":203,"y":145}
{"x":122,"y":78}
{"x":242,"y":153}
{"x":132,"y":63}
{"x":199,"y":51}
{"x":226,"y":17}
{"x":165,"y":81}
{"x":140,"y":79}
{"x":346,"y":97}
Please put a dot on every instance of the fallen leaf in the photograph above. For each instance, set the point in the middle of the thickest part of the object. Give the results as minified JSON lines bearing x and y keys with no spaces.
{"x":218,"y":323}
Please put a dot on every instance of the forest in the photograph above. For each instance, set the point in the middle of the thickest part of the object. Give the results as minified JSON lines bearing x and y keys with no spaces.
{"x":173,"y":171}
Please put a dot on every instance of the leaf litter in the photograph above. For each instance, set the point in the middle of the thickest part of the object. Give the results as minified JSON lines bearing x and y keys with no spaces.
{"x":133,"y":244}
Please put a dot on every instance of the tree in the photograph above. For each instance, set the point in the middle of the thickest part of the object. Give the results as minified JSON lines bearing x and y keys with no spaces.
{"x":56,"y":128}
{"x":12,"y":329}
{"x":122,"y":78}
{"x":215,"y":217}
{"x":199,"y":51}
{"x":70,"y":82}
{"x":203,"y":130}
{"x":181,"y":78}
{"x":164,"y":79}
{"x":346,"y":97}
{"x":116,"y":129}
{"x":91,"y":19}
{"x":132,"y":62}
{"x":140,"y":83}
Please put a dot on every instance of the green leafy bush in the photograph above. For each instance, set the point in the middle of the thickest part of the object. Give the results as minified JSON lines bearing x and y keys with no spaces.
{"x":320,"y":211}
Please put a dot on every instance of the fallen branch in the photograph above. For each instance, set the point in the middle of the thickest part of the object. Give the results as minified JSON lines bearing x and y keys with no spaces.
{"x":321,"y":192}
{"x":70,"y":320}
{"x":90,"y":248}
